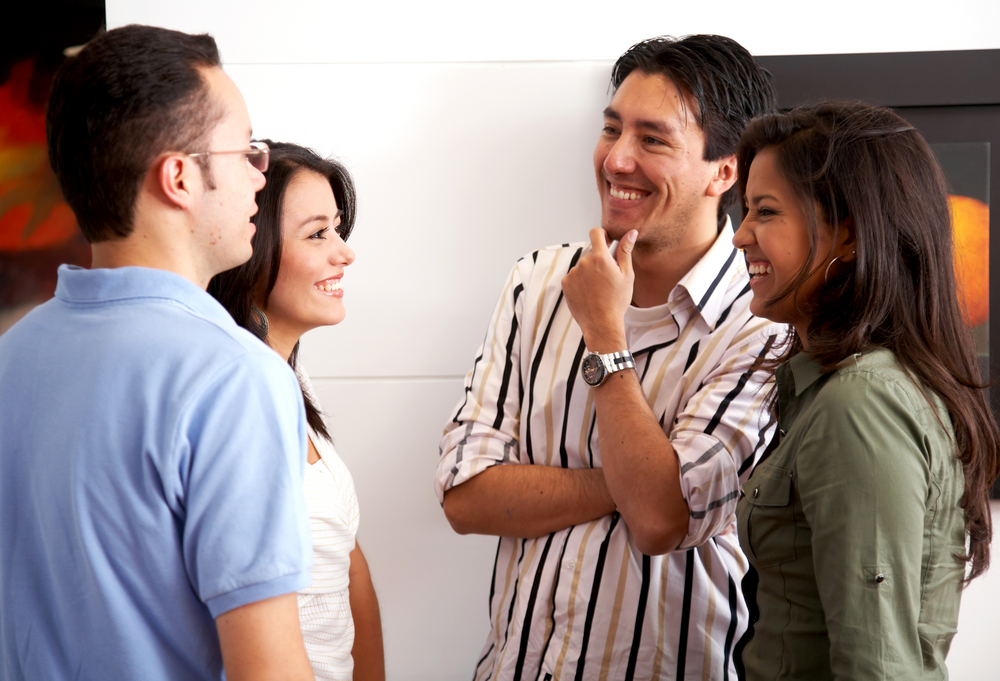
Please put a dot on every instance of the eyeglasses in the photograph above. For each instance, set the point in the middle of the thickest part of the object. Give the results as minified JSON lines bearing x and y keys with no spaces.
{"x":257,"y":155}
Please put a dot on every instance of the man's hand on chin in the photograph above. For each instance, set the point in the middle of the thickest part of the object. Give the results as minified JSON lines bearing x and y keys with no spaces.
{"x":599,"y":290}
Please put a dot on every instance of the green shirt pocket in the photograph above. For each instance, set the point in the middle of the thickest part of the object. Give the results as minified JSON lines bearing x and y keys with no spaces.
{"x":771,"y":520}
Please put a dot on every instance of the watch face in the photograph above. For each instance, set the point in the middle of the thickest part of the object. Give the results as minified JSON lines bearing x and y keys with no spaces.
{"x":592,"y":369}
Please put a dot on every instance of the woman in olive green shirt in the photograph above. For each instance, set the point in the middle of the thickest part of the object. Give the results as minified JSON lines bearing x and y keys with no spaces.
{"x":856,"y":518}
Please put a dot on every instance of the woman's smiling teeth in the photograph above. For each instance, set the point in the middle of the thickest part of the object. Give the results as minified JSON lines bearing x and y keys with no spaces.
{"x":328,"y":286}
{"x":619,"y":193}
{"x":759,"y":269}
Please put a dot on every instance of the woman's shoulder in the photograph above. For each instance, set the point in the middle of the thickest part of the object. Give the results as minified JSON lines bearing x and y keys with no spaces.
{"x":875,"y":385}
{"x":874,"y":375}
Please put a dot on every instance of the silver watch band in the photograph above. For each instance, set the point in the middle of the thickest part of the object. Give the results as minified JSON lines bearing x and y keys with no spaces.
{"x":616,"y":361}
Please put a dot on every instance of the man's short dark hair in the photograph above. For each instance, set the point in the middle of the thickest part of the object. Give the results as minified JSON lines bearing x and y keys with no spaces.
{"x":725,"y":80}
{"x":129,"y":96}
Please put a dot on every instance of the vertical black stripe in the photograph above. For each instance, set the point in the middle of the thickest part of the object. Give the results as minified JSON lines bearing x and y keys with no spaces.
{"x":571,"y":380}
{"x":535,"y":364}
{"x":468,"y":388}
{"x":731,"y":632}
{"x":649,"y":360}
{"x":493,"y":582}
{"x":761,"y":439}
{"x":592,"y":603}
{"x":537,"y":361}
{"x":475,"y":674}
{"x":749,"y":588}
{"x":682,"y":638}
{"x":725,"y":313}
{"x":475,"y":365}
{"x":640,"y":616}
{"x":508,"y":367}
{"x":555,"y":590}
{"x":718,"y":278}
{"x":529,"y":614}
{"x":590,"y":436}
{"x":692,"y":355}
{"x":513,"y":599}
{"x":740,"y":384}
{"x":727,"y":400}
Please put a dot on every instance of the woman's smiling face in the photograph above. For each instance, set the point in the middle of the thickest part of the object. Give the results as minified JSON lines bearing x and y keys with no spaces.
{"x":308,"y":293}
{"x":775,"y":238}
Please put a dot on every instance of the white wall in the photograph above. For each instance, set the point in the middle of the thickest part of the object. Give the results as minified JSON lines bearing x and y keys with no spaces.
{"x":469,"y":129}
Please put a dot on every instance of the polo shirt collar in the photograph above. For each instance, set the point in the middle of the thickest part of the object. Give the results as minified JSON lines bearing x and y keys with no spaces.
{"x":80,"y":286}
{"x":708,"y":281}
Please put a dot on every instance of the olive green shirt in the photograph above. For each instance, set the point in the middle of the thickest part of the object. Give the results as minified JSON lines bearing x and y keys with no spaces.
{"x":852,"y":524}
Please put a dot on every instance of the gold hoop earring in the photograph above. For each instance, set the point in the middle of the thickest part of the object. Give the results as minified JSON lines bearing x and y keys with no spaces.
{"x":826,"y":275}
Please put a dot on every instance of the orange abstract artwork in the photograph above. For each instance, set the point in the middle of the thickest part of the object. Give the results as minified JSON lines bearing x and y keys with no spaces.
{"x":971,"y":228}
{"x":37,"y":228}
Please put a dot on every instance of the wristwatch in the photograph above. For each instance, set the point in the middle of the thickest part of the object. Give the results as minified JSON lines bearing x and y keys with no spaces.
{"x":596,"y":368}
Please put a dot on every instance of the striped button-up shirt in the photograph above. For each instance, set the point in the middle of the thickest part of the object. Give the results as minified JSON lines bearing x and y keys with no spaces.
{"x":583,"y":602}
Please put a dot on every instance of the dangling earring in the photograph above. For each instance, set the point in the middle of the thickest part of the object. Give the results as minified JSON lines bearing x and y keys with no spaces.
{"x":826,"y":275}
{"x":261,"y":320}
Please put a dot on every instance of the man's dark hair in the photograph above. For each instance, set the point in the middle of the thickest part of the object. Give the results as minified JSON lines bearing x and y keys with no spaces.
{"x":725,"y":80}
{"x":242,"y":288}
{"x":129,"y":96}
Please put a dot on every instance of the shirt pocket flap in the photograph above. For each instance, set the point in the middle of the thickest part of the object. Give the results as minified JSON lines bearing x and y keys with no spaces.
{"x":773,"y":487}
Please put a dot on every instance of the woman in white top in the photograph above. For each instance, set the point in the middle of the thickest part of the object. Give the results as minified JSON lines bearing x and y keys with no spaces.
{"x":290,"y":285}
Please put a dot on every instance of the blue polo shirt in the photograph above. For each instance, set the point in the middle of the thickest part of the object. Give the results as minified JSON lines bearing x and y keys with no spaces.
{"x":151,"y":466}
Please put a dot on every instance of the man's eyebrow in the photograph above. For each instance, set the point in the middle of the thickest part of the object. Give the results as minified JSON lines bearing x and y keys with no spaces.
{"x":652,"y":126}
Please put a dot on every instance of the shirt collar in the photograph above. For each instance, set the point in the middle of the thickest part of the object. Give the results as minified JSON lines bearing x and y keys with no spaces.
{"x":805,"y":371}
{"x":77,"y":285}
{"x":707,"y":282}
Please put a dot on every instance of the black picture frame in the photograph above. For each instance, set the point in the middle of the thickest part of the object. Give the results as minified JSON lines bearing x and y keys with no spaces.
{"x":949,"y":96}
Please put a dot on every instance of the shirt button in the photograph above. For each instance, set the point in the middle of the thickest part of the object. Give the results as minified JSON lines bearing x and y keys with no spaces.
{"x":569,"y":564}
{"x":756,"y":491}
{"x":879,"y":578}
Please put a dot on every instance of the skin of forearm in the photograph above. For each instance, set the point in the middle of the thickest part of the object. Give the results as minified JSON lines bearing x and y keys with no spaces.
{"x":640,"y":465}
{"x":368,"y":653}
{"x":262,"y":641}
{"x":527,"y":501}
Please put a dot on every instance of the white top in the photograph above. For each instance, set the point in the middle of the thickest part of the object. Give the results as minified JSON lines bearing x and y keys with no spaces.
{"x":583,"y":602}
{"x":324,"y":607}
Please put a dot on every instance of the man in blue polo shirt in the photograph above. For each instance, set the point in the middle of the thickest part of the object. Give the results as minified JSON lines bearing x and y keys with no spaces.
{"x":152,"y":523}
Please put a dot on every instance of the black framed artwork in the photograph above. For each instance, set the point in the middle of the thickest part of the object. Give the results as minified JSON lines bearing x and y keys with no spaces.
{"x":953,"y":99}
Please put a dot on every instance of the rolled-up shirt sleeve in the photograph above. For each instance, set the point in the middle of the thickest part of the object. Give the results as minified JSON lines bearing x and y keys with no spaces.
{"x":721,"y":429}
{"x":483,"y":428}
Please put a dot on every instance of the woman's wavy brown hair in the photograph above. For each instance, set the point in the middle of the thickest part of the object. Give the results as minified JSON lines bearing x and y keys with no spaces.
{"x":864,"y":163}
{"x":241,"y":288}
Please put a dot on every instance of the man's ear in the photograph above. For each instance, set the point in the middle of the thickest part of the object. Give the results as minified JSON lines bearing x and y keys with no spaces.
{"x":725,"y":176}
{"x":175,"y":178}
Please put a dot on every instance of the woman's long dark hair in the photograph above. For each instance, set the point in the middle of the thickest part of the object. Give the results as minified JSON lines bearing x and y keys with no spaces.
{"x":866,"y":164}
{"x":241,"y":288}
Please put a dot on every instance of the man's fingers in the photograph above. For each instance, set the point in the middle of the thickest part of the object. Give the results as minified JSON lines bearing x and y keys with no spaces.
{"x":599,"y":240}
{"x":624,"y":254}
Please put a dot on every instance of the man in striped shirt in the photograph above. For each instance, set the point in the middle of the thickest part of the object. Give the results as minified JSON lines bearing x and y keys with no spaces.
{"x":618,"y":395}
